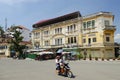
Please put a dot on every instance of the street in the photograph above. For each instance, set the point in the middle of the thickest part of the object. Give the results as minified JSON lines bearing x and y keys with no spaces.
{"x":11,"y":69}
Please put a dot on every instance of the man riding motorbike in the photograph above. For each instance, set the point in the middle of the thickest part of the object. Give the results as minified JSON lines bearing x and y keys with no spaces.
{"x":58,"y":61}
{"x":62,"y":67}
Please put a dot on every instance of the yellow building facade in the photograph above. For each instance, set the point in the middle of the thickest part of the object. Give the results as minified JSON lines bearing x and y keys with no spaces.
{"x":92,"y":34}
{"x":98,"y":35}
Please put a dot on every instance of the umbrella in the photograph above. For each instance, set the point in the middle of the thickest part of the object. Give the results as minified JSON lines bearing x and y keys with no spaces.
{"x":60,"y":51}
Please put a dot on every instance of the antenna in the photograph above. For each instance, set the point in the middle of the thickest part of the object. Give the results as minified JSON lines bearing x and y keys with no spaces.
{"x":5,"y":24}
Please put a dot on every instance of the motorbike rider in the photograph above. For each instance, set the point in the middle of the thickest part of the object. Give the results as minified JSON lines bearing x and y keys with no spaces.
{"x":59,"y":61}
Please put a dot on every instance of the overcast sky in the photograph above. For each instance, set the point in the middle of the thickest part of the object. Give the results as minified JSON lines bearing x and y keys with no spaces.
{"x":28,"y":12}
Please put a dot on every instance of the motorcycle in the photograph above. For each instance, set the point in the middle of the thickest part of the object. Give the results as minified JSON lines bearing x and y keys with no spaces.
{"x":65,"y":70}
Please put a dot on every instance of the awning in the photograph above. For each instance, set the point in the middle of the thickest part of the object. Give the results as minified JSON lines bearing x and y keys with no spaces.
{"x":70,"y":49}
{"x":73,"y":51}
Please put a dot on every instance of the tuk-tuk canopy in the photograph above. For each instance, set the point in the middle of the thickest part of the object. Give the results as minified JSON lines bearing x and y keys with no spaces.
{"x":41,"y":53}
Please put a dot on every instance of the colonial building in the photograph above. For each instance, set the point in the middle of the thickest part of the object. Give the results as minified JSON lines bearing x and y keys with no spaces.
{"x":92,"y":34}
{"x":58,"y":32}
{"x":98,"y":34}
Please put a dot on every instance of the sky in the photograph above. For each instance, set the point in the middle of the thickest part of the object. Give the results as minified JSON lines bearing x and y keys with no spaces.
{"x":28,"y":12}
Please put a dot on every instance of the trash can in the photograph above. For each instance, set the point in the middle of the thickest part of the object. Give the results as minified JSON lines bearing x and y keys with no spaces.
{"x":32,"y":56}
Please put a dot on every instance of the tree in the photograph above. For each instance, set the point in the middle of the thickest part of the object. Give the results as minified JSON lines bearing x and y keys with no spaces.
{"x":1,"y":31}
{"x":15,"y":44}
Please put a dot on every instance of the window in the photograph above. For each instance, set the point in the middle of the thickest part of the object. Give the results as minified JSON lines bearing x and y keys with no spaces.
{"x":46,"y":33}
{"x":58,"y":41}
{"x":37,"y":45}
{"x":72,"y":40}
{"x":68,"y":28}
{"x":107,"y":22}
{"x":88,"y":24}
{"x":71,"y":28}
{"x":58,"y":30}
{"x":94,"y":39}
{"x":3,"y":47}
{"x":36,"y":35}
{"x":46,"y":43}
{"x":89,"y":40}
{"x":68,"y":40}
{"x":74,"y":27}
{"x":93,"y":23}
{"x":75,"y":40}
{"x":107,"y":39}
{"x":84,"y":40}
{"x":84,"y":25}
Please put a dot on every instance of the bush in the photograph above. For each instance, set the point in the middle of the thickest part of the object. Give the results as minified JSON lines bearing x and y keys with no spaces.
{"x":79,"y":56}
{"x":90,"y":57}
{"x":96,"y":58}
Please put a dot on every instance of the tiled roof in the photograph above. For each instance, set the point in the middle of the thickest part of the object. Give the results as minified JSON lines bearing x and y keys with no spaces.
{"x":22,"y":27}
{"x":57,"y":19}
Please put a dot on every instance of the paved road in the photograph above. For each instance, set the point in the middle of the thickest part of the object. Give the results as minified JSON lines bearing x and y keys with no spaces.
{"x":45,"y":70}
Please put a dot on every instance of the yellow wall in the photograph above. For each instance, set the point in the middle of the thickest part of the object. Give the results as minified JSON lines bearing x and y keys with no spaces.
{"x":111,"y":32}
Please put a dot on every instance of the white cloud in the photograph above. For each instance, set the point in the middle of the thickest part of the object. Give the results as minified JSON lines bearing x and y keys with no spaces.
{"x":117,"y":37}
{"x":11,"y":2}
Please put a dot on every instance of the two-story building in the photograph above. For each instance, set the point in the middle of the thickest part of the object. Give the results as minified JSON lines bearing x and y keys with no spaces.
{"x":92,"y":34}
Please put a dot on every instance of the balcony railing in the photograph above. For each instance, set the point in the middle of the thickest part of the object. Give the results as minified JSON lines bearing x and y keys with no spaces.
{"x":108,"y":44}
{"x":89,"y":30}
{"x":55,"y":46}
{"x":72,"y":45}
{"x":110,"y":27}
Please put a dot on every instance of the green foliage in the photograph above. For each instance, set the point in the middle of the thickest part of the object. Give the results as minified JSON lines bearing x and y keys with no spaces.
{"x":78,"y":50}
{"x":79,"y":56}
{"x":15,"y":43}
{"x":13,"y":28}
{"x":1,"y":31}
{"x":96,"y":58}
{"x":17,"y":38}
{"x":90,"y":56}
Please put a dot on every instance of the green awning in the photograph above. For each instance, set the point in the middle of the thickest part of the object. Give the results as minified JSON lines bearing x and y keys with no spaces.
{"x":72,"y":50}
